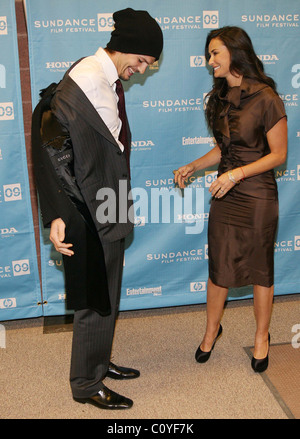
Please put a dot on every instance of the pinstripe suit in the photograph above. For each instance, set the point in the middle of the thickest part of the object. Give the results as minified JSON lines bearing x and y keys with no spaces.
{"x":98,"y":163}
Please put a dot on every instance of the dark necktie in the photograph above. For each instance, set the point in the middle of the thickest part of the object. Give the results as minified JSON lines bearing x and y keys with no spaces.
{"x":123,"y":136}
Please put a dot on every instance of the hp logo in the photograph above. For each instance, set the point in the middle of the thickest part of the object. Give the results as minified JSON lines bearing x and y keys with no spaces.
{"x":197,"y":61}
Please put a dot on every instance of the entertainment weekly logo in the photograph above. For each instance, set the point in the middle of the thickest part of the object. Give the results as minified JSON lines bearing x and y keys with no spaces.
{"x":141,"y":291}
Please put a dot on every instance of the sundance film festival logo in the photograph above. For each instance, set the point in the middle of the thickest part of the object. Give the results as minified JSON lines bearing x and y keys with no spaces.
{"x":297,"y":243}
{"x":3,"y":25}
{"x":178,"y":256}
{"x":174,"y":105}
{"x":104,"y":22}
{"x":288,"y":245}
{"x":12,"y":192}
{"x":163,"y":206}
{"x":21,"y":267}
{"x":274,"y":20}
{"x":6,"y":111}
{"x":2,"y":76}
{"x":287,"y":174}
{"x":289,"y":99}
{"x":208,"y":20}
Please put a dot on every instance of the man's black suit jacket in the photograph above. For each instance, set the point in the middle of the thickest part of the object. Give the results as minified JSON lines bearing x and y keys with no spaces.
{"x":98,"y":163}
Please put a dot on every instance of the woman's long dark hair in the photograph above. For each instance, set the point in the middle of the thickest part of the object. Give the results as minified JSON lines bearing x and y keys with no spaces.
{"x":244,"y":61}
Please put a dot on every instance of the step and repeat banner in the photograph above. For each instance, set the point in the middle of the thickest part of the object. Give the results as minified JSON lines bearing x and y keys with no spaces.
{"x":166,"y":256}
{"x":20,"y":294}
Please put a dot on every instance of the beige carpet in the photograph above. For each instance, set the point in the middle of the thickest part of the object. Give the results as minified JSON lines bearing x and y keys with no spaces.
{"x":34,"y":367}
{"x":283,"y":376}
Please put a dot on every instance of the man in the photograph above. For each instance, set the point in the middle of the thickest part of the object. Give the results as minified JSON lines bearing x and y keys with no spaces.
{"x":79,"y":148}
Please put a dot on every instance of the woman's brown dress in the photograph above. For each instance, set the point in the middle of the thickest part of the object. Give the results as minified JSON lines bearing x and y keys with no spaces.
{"x":242,"y":224}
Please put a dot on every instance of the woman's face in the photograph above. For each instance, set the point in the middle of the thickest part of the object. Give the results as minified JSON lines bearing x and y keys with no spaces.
{"x":220,"y":62}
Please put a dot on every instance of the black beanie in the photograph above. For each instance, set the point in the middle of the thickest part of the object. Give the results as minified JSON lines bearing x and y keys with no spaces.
{"x":136,"y":32}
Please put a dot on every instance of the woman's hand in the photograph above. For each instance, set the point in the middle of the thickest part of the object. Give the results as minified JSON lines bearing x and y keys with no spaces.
{"x":225,"y":182}
{"x":221,"y":186}
{"x":57,"y":236}
{"x":182,"y":174}
{"x":209,"y":159}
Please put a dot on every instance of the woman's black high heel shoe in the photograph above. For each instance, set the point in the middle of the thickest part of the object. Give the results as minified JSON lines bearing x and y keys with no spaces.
{"x":202,"y":356}
{"x":262,"y":364}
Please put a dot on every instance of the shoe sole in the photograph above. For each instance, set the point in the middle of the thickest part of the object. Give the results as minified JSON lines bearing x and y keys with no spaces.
{"x":105,"y":407}
{"x":117,"y":377}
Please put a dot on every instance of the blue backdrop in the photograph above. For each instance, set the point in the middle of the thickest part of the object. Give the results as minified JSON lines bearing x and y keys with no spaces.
{"x":20,"y":294}
{"x":166,"y":258}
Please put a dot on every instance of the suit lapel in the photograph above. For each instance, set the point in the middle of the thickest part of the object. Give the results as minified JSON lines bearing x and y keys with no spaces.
{"x":72,"y":94}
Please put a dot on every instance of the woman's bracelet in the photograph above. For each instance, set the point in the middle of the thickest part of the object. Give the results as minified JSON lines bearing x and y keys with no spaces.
{"x":231,"y":177}
{"x":243,"y":173}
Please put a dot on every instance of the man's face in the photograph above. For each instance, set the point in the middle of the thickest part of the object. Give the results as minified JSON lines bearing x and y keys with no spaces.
{"x":128,"y":63}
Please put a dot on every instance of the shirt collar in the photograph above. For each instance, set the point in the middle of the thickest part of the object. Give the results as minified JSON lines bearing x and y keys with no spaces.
{"x":247,"y":88}
{"x":108,"y":66}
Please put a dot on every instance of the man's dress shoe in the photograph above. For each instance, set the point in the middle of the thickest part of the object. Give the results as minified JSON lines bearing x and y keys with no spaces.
{"x":107,"y":399}
{"x":121,"y":373}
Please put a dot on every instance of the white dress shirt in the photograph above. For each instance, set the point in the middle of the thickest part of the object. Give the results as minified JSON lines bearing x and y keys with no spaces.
{"x":96,"y":76}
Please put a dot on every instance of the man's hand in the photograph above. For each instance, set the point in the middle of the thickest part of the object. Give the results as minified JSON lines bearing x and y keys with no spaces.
{"x":57,"y":236}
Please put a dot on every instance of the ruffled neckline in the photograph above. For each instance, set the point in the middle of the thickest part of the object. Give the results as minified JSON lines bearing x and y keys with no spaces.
{"x":231,"y":98}
{"x":234,"y":95}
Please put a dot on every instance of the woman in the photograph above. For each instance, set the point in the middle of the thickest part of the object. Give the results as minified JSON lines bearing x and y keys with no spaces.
{"x":249,"y":124}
